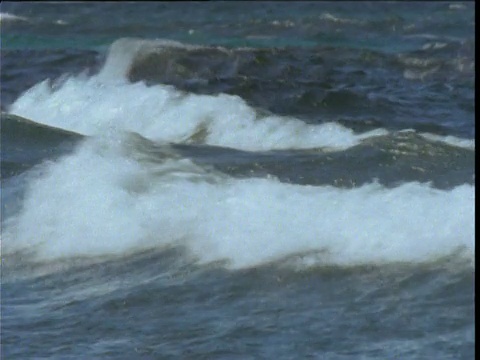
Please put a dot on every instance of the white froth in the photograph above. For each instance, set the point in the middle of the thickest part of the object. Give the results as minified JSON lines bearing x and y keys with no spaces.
{"x":161,"y":113}
{"x":98,"y":201}
{"x":107,"y":102}
{"x":101,"y":201}
{"x":451,"y":140}
{"x":336,"y":19}
{"x":11,"y":17}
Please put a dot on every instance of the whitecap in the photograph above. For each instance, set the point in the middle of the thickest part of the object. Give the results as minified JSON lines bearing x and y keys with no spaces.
{"x":99,"y":201}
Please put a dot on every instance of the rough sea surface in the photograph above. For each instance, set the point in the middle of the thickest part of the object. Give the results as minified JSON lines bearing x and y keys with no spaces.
{"x":237,"y":180}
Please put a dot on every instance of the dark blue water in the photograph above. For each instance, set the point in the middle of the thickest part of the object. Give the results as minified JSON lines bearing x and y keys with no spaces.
{"x":227,"y":180}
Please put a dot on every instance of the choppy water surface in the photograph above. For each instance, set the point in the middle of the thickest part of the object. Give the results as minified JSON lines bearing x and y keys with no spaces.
{"x":238,"y":180}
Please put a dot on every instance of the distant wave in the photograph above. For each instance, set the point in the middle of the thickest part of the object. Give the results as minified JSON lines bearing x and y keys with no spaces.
{"x":11,"y":17}
{"x":451,"y":140}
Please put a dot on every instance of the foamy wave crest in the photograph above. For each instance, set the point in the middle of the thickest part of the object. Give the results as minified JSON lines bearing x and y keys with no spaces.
{"x":451,"y":140}
{"x":102,"y":201}
{"x":11,"y":17}
{"x":109,"y":102}
{"x":161,"y":113}
{"x":125,"y":51}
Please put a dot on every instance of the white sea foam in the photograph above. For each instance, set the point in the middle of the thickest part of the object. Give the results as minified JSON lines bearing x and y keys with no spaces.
{"x":162,"y":113}
{"x":434,"y":45}
{"x":99,"y":201}
{"x":108,"y":102}
{"x":336,"y":19}
{"x":418,"y":74}
{"x":11,"y":17}
{"x":456,"y":6}
{"x":451,"y":140}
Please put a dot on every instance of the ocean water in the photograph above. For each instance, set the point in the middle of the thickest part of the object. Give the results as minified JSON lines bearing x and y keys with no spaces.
{"x":238,"y":180}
